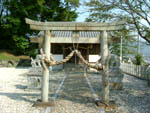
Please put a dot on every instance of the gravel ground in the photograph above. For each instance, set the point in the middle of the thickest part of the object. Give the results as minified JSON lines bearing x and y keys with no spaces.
{"x":13,"y":96}
{"x":74,"y":96}
{"x":134,"y":98}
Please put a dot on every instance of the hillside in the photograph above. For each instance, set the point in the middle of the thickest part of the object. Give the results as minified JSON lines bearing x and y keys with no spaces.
{"x":7,"y":55}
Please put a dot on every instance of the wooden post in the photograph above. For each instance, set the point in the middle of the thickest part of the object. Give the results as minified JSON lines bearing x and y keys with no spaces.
{"x":40,"y":45}
{"x":63,"y":49}
{"x":88,"y":54}
{"x":105,"y":76}
{"x":45,"y":80}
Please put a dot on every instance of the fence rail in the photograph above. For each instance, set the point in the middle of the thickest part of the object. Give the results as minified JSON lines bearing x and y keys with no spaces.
{"x":136,"y":70}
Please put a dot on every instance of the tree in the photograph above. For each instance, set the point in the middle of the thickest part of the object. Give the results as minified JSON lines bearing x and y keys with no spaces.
{"x":135,"y":12}
{"x":16,"y":32}
{"x":127,"y":42}
{"x":139,"y":59}
{"x":75,"y":3}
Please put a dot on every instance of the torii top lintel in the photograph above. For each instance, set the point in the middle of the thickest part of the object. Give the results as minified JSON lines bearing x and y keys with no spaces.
{"x":74,"y":26}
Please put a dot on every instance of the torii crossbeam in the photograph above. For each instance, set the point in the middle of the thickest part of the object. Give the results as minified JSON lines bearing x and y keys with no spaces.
{"x":47,"y":27}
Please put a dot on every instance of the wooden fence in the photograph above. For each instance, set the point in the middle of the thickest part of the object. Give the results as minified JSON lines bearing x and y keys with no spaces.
{"x":135,"y":70}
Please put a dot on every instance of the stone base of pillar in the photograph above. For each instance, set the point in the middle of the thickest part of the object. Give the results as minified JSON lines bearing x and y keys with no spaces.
{"x":111,"y":106}
{"x":44,"y":104}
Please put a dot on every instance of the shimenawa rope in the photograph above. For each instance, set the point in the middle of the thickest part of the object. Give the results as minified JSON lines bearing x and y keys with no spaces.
{"x":52,"y":61}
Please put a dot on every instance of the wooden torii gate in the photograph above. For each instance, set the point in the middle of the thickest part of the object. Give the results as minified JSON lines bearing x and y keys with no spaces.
{"x":47,"y":27}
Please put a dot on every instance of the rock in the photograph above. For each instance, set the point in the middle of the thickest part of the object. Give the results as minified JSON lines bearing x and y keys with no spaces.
{"x":4,"y":63}
{"x":14,"y":63}
{"x":115,"y":78}
{"x":24,"y":63}
{"x":10,"y":63}
{"x":115,"y":74}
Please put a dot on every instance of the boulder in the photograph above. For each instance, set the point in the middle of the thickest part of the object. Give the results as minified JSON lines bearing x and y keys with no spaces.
{"x":115,"y":74}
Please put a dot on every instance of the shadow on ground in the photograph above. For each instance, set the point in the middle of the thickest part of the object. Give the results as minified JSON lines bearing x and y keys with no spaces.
{"x":20,"y":96}
{"x":134,"y":96}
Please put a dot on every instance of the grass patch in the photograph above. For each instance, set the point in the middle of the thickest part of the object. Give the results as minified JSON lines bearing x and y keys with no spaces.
{"x":6,"y":55}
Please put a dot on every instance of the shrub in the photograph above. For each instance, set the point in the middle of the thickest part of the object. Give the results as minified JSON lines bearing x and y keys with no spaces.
{"x":139,"y":59}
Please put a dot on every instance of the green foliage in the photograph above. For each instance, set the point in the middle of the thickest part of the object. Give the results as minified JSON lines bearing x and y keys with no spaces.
{"x":118,"y":10}
{"x":15,"y":32}
{"x":139,"y":59}
{"x":134,"y":12}
{"x":4,"y":57}
{"x":127,"y":42}
{"x":21,"y":43}
{"x":73,"y":2}
{"x":32,"y":53}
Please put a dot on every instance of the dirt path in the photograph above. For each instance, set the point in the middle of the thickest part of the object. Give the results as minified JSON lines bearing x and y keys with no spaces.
{"x":75,"y":96}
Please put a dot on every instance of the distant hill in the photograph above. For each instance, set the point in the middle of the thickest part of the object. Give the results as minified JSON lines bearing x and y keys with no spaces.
{"x":145,"y":49}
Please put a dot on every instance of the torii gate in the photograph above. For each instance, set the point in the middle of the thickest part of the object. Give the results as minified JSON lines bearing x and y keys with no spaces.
{"x":47,"y":27}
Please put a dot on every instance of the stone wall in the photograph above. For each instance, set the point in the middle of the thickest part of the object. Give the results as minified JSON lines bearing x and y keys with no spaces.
{"x":15,"y":63}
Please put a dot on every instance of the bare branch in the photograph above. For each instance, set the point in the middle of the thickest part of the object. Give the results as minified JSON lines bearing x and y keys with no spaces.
{"x":138,"y":29}
{"x":146,"y":4}
{"x":146,"y":15}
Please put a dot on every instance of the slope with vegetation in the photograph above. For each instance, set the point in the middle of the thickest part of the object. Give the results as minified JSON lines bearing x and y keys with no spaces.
{"x":7,"y":55}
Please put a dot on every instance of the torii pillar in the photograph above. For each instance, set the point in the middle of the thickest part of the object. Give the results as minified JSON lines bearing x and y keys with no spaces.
{"x":76,"y":26}
{"x":45,"y":78}
{"x":105,"y":60}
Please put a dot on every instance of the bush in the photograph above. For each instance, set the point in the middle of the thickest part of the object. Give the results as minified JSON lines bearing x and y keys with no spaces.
{"x":139,"y":59}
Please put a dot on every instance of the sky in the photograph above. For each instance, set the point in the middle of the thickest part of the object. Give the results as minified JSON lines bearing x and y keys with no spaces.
{"x":83,"y":12}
